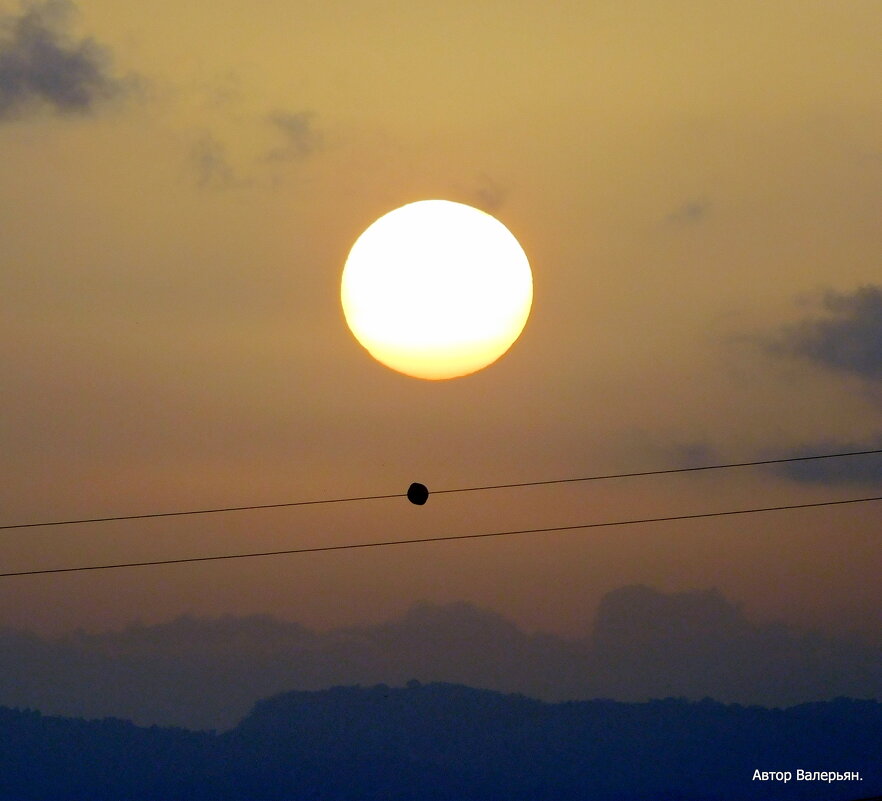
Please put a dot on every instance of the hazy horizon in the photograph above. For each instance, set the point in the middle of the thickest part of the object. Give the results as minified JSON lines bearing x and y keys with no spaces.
{"x":207,"y":672}
{"x":864,"y":631}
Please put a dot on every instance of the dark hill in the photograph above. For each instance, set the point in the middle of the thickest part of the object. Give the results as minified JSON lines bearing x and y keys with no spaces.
{"x":439,"y":741}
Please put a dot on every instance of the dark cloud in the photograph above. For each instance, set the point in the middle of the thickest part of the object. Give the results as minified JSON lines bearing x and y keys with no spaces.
{"x":840,"y":470}
{"x":848,"y":339}
{"x":41,"y":65}
{"x":300,"y":138}
{"x":693,"y":211}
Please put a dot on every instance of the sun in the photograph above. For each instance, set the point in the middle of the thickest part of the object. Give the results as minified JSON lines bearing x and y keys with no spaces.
{"x":436,"y":289}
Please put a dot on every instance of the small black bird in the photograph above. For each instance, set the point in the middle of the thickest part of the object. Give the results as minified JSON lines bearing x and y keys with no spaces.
{"x":417,"y":494}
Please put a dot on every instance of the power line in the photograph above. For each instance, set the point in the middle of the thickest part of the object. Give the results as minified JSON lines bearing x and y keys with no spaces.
{"x":668,"y":471}
{"x":382,"y":543}
{"x":199,"y":511}
{"x":603,"y":477}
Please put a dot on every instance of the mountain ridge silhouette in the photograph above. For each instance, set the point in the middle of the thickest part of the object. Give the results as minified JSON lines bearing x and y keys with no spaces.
{"x":446,"y":741}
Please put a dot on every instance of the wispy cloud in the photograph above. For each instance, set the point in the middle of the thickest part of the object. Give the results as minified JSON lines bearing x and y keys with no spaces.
{"x":208,"y":157}
{"x":489,"y":194}
{"x":41,"y":65}
{"x":691,"y":212}
{"x":213,"y":167}
{"x":836,"y":471}
{"x":300,"y":137}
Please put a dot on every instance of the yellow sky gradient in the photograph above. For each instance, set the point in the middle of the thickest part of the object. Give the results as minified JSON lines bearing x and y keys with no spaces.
{"x":686,"y":178}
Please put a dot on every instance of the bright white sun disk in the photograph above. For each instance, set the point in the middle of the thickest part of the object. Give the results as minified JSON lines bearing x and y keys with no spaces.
{"x":436,"y":289}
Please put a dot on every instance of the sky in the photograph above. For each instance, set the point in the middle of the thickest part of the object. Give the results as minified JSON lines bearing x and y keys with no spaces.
{"x":696,"y":185}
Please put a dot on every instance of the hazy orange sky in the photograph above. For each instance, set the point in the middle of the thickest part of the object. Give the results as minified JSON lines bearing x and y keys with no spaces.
{"x":698,"y":186}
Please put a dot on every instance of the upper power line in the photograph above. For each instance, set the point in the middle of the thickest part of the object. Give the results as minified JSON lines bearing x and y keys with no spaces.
{"x":601,"y":477}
